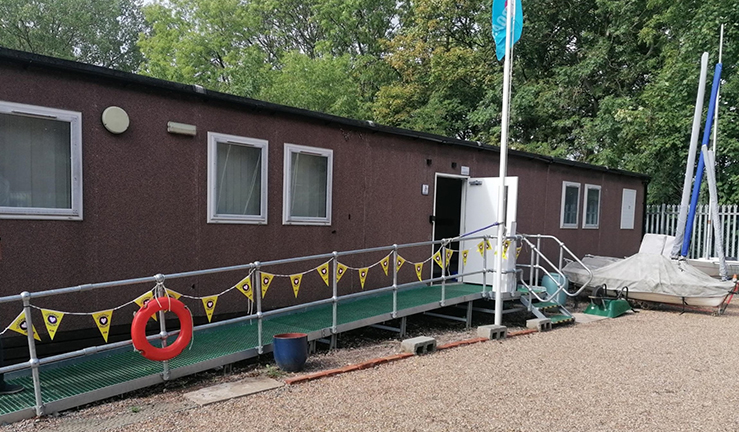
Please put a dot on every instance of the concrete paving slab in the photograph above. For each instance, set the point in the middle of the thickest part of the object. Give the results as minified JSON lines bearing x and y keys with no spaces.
{"x":222,"y":392}
{"x":583,"y":318}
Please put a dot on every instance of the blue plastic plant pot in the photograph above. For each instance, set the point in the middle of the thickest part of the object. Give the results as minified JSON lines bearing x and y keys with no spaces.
{"x":290,"y":351}
{"x":550,"y":283}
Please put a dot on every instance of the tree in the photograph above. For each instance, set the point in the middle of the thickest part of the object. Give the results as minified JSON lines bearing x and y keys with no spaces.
{"x":211,"y":43}
{"x":600,"y":81}
{"x":314,"y":54}
{"x":324,"y":84}
{"x":101,"y":32}
{"x":686,"y":29}
{"x":441,"y":55}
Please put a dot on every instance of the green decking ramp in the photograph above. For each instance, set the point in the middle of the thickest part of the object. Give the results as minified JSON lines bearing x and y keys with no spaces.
{"x":116,"y":372}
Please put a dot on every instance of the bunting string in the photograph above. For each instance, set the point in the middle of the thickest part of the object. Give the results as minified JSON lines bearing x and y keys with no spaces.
{"x":103,"y":318}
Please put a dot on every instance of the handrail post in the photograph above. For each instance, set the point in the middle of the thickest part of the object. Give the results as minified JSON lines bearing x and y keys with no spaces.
{"x":532,"y":281}
{"x":335,"y":296}
{"x":443,"y":273}
{"x":538,"y":256}
{"x":499,"y":274}
{"x":395,"y":281}
{"x":33,"y":358}
{"x":561,"y":255}
{"x":161,"y":292}
{"x":485,"y":265}
{"x":257,"y":284}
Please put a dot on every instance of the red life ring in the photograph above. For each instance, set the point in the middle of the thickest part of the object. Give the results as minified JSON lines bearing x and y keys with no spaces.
{"x":138,"y":329}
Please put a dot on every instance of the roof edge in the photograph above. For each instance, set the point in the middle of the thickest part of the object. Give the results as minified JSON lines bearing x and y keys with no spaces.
{"x":31,"y":59}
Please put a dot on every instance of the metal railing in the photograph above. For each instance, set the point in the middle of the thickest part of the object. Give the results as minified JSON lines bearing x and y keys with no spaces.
{"x":662,"y":219}
{"x":256,"y":268}
{"x":535,"y":267}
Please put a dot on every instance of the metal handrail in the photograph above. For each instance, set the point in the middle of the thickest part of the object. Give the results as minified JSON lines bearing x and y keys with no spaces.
{"x":256,"y":269}
{"x":539,"y":255}
{"x":160,"y":278}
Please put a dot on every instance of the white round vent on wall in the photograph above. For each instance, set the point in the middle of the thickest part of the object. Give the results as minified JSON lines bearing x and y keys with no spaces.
{"x":115,"y":120}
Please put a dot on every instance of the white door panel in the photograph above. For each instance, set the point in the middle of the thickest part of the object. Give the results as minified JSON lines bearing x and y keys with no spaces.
{"x":481,"y":210}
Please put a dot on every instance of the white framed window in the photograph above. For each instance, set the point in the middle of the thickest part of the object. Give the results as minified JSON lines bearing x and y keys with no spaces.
{"x":570,"y":205}
{"x":307,"y":185}
{"x":628,"y":208}
{"x":237,"y":179}
{"x":591,"y":212}
{"x":40,"y":163}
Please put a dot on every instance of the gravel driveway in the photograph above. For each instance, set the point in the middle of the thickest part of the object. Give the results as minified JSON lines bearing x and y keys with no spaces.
{"x":650,"y":371}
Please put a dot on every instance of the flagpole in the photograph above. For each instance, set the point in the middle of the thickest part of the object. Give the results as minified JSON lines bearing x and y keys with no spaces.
{"x":502,"y":208}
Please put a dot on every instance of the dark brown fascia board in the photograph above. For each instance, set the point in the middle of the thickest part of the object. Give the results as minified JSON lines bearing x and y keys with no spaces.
{"x":30,"y":60}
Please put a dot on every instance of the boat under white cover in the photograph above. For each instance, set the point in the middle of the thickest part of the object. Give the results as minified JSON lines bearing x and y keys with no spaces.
{"x":652,"y":277}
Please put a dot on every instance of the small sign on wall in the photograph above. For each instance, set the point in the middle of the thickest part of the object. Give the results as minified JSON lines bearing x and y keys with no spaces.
{"x":465,"y":170}
{"x":424,"y":189}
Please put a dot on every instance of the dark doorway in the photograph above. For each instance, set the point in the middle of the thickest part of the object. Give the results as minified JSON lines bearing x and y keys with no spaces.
{"x":448,"y":217}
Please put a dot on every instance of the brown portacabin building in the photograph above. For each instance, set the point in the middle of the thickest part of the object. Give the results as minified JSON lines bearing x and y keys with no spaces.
{"x":106,"y":175}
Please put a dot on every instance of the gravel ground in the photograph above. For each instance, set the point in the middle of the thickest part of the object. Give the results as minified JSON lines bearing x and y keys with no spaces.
{"x":649,"y":371}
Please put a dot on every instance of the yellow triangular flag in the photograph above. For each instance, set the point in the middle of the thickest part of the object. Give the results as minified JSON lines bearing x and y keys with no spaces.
{"x":400,"y":263}
{"x":245,"y":287}
{"x":505,"y":248}
{"x":481,"y":248}
{"x":340,"y":270}
{"x":363,"y":275}
{"x":449,"y":253}
{"x":209,"y":303}
{"x":295,"y":281}
{"x":323,"y":271}
{"x":464,"y":256}
{"x":419,"y":270}
{"x":19,"y":325}
{"x":102,"y":320}
{"x":518,"y":251}
{"x":437,"y":258}
{"x":385,"y":263}
{"x":52,"y":319}
{"x":174,"y":294}
{"x":144,"y":299}
{"x":266,"y":280}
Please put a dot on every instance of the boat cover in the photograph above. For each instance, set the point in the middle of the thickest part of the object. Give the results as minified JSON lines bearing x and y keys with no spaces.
{"x":648,"y":273}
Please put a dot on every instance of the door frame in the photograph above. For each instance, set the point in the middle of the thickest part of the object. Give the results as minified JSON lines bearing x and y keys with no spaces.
{"x":463,"y":204}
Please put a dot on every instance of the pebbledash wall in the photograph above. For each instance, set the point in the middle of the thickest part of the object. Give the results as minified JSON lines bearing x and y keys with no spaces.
{"x":144,"y":192}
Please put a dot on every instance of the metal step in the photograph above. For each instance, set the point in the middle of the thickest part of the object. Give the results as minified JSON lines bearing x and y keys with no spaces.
{"x":543,"y":306}
{"x":561,"y":319}
{"x":534,"y":288}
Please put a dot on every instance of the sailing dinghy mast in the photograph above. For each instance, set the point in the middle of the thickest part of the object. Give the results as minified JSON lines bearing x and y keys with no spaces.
{"x":690,"y":165}
{"x":707,"y":162}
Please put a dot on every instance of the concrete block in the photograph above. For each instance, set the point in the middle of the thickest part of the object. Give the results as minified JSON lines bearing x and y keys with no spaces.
{"x":419,"y":345}
{"x":492,"y":331}
{"x":542,"y":324}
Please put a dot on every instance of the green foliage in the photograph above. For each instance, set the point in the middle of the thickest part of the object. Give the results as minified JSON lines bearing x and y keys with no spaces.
{"x":101,"y":32}
{"x":274,"y":372}
{"x":442,"y":56}
{"x":610,"y":82}
{"x":204,"y":42}
{"x":324,"y":84}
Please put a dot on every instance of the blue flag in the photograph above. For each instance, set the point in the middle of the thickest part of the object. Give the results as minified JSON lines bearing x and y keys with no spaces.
{"x":499,"y":25}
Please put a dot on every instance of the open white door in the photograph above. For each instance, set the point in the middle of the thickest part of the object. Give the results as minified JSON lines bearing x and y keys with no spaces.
{"x":481,"y":210}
